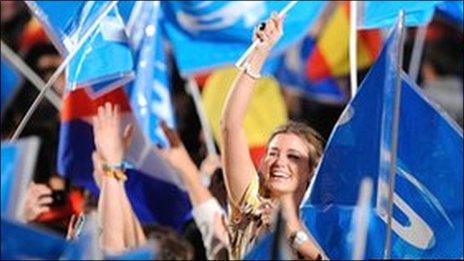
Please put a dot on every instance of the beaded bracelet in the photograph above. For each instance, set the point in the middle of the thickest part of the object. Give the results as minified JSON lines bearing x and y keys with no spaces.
{"x":116,"y":170}
{"x":116,"y":174}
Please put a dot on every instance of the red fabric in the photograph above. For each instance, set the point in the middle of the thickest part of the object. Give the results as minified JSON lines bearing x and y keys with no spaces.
{"x":89,"y":106}
{"x":257,"y":153}
{"x":316,"y":66}
{"x":74,"y":205}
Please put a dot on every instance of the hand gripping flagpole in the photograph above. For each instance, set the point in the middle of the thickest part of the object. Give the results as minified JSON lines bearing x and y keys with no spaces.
{"x":255,"y":43}
{"x":19,"y":64}
{"x":394,"y":137}
{"x":60,"y":69}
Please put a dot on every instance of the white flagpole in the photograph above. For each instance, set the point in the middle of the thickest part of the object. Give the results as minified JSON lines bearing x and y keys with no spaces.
{"x":414,"y":63}
{"x":195,"y":93}
{"x":394,"y":137}
{"x":361,"y":219}
{"x":353,"y":49}
{"x":60,"y":69}
{"x":19,"y":64}
{"x":255,"y":43}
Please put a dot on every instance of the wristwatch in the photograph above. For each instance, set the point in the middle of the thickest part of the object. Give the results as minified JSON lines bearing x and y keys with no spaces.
{"x":297,"y":238}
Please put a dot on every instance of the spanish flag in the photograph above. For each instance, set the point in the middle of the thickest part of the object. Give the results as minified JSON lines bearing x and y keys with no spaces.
{"x":330,"y":56}
{"x":266,"y":111}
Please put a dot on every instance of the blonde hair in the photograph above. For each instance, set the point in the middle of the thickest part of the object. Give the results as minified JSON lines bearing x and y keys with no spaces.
{"x":313,"y":140}
{"x":307,"y":134}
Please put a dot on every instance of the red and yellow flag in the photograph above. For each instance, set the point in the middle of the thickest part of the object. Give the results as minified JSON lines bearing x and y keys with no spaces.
{"x":266,"y":111}
{"x":331,"y":54}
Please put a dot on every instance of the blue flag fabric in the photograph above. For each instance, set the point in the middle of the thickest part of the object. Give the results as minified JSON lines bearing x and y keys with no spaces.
{"x":453,"y":10}
{"x":94,"y":64}
{"x":217,"y":33}
{"x":428,"y":199}
{"x":21,"y":242}
{"x":142,"y":253}
{"x":377,"y":14}
{"x":292,"y":74}
{"x":17,"y":167}
{"x":150,"y":93}
{"x":9,"y":83}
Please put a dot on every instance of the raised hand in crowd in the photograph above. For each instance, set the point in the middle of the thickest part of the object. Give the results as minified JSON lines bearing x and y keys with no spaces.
{"x":38,"y":200}
{"x":121,"y":229}
{"x":207,"y":212}
{"x":111,"y":142}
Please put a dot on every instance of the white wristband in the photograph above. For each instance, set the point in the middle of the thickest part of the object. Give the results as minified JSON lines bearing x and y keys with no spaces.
{"x":247,"y":69}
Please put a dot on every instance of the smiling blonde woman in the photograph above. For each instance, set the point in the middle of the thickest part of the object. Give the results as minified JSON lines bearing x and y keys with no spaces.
{"x":293,"y":152}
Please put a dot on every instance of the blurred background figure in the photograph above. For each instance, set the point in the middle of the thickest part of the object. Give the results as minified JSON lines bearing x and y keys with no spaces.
{"x":52,"y":204}
{"x":442,"y":76}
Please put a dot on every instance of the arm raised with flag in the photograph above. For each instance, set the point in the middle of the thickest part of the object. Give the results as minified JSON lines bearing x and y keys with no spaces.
{"x":285,"y":171}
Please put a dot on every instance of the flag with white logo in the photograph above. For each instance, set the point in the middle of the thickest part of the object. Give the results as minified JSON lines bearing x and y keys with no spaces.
{"x":428,"y":194}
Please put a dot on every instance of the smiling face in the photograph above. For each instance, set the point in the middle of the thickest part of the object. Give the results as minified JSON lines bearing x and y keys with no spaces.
{"x":286,"y":167}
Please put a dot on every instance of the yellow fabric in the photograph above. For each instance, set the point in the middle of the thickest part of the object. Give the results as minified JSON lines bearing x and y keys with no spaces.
{"x":267,"y":109}
{"x":333,"y":43}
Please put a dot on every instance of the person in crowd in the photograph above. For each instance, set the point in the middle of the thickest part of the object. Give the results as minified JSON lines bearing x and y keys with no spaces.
{"x":53,"y":204}
{"x":45,"y":122}
{"x":292,"y":154}
{"x":442,"y":76}
{"x":121,"y":230}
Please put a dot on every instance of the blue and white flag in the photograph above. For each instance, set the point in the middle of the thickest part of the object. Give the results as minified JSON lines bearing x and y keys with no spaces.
{"x":17,"y":167}
{"x":209,"y":34}
{"x":428,"y":195}
{"x":24,"y":242}
{"x":10,"y":82}
{"x":104,"y":61}
{"x":150,"y":93}
{"x":377,"y":14}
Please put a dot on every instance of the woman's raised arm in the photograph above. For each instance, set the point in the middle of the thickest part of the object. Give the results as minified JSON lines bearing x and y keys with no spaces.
{"x":237,"y":163}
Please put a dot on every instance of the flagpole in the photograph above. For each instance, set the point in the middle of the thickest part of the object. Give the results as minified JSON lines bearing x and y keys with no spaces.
{"x":394,"y":138}
{"x":195,"y":93}
{"x":361,"y":219}
{"x":255,"y":43}
{"x":30,"y":75}
{"x":59,"y":70}
{"x":353,"y":49}
{"x":414,"y":63}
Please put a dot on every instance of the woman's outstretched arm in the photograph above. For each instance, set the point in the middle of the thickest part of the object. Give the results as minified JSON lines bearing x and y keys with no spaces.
{"x":237,"y":163}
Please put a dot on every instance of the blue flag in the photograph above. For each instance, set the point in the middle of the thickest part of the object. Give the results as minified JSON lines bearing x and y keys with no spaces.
{"x":9,"y":83}
{"x":21,"y":242}
{"x":217,"y":33}
{"x":376,"y":14}
{"x":454,"y":10}
{"x":104,"y":61}
{"x":17,"y":167}
{"x":150,"y":93}
{"x":142,"y":253}
{"x":428,"y":195}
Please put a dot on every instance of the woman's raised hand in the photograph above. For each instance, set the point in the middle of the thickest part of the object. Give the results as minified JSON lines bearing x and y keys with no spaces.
{"x":269,"y":32}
